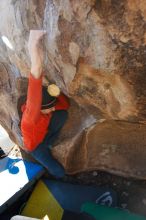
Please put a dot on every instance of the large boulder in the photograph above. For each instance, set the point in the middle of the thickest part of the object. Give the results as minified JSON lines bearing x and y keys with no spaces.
{"x":96,"y":53}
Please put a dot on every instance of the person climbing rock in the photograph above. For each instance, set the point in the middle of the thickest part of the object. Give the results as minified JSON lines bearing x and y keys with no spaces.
{"x":44,"y":112}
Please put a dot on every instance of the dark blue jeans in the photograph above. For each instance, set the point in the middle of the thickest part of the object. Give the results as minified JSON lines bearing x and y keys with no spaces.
{"x":43,"y":153}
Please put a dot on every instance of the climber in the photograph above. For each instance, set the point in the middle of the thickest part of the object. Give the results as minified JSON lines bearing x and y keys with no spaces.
{"x":44,"y":112}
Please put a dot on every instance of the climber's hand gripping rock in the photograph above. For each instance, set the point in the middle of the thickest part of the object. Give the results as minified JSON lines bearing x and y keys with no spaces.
{"x":36,"y":52}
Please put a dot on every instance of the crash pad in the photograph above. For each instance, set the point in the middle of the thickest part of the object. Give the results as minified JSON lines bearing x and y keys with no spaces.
{"x":109,"y":213}
{"x":16,"y":176}
{"x":19,"y":217}
{"x":53,"y":197}
{"x":41,"y":203}
{"x":71,"y":196}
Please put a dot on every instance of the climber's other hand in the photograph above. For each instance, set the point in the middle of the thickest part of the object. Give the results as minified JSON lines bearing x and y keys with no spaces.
{"x":48,"y":110}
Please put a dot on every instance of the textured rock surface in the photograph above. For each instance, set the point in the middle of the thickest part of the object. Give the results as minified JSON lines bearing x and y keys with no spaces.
{"x":96,"y":53}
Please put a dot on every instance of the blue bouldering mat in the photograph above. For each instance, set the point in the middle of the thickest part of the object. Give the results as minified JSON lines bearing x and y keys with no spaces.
{"x":16,"y":176}
{"x":71,"y":197}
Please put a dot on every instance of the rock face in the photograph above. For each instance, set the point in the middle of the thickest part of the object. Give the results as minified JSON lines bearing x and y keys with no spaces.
{"x":96,"y":53}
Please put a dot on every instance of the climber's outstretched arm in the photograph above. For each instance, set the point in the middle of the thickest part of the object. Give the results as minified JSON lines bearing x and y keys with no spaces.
{"x":34,"y":96}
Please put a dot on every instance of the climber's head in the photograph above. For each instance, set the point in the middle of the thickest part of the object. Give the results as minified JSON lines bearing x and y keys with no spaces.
{"x":49,"y":98}
{"x":48,"y":101}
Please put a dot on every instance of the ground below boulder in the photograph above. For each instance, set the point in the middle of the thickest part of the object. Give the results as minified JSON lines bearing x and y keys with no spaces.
{"x":130,"y":191}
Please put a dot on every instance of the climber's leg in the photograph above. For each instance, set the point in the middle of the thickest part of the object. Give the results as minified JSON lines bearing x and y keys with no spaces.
{"x":58,"y":120}
{"x":43,"y":155}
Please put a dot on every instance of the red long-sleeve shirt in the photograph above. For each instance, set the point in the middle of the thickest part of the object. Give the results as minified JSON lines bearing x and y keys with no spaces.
{"x":34,"y":124}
